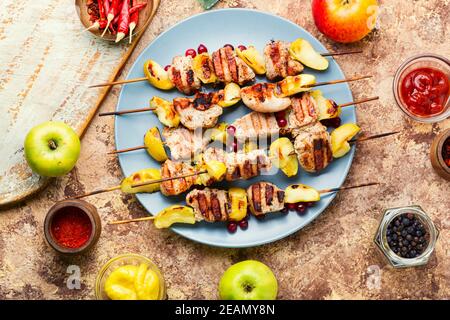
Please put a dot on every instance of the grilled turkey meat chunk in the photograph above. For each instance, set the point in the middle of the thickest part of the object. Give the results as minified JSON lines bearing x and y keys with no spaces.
{"x":265,"y":197}
{"x":240,"y":165}
{"x":182,"y":75}
{"x":212,"y":205}
{"x":183,"y":143}
{"x":230,"y":68}
{"x":176,"y":186}
{"x":261,"y":97}
{"x":303,"y":112}
{"x":200,"y":112}
{"x":279,"y":63}
{"x":313,"y":148}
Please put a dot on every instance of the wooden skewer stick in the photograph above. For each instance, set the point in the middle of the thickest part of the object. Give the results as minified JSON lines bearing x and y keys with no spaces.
{"x":348,"y":188}
{"x":133,"y":220}
{"x":149,"y":109}
{"x":118,"y":113}
{"x":375,"y":136}
{"x":320,"y":191}
{"x":127,"y":150}
{"x":137,"y":185}
{"x":96,"y":192}
{"x":331,"y":54}
{"x":167,"y":179}
{"x":118,"y":82}
{"x":325,"y":83}
{"x":348,"y":104}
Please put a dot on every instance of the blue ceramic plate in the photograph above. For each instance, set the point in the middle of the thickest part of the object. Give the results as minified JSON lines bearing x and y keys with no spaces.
{"x":214,"y":29}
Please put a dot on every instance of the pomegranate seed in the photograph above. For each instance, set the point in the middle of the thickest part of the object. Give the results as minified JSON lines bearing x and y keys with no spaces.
{"x":190,"y":52}
{"x":333,"y":122}
{"x":291,"y":206}
{"x":167,"y":67}
{"x":235,"y":146}
{"x":229,"y":45}
{"x":282,"y":123}
{"x":242,"y":47}
{"x":243,"y":224}
{"x":232,"y":227}
{"x":231,"y":130}
{"x":301,"y":208}
{"x":202,"y":49}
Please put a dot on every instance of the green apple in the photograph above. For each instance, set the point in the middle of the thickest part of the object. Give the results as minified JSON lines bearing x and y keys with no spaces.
{"x":52,"y":149}
{"x":248,"y":280}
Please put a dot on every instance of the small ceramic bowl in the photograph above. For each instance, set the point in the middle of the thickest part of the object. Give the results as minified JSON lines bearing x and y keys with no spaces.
{"x":421,"y":61}
{"x":122,"y":260}
{"x":436,"y":155}
{"x":84,"y":207}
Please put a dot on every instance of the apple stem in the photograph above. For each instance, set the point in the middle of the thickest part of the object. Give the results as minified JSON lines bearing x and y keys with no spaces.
{"x":52,"y":144}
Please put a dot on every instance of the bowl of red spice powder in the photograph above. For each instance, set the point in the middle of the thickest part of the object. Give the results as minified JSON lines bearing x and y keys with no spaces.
{"x":72,"y":226}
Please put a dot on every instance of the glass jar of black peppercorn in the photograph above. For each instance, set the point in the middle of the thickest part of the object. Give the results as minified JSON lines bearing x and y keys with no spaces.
{"x":406,"y":236}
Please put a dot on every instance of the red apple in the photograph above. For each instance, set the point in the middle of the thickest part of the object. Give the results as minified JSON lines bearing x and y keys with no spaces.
{"x":345,"y":20}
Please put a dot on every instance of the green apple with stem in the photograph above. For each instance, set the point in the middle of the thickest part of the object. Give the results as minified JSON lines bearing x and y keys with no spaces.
{"x":52,"y":148}
{"x":248,"y":280}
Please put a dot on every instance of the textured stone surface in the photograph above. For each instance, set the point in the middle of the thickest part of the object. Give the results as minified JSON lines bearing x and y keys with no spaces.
{"x":334,"y":257}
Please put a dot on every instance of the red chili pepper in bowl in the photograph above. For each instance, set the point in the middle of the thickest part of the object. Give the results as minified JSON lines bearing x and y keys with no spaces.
{"x":112,"y":13}
{"x":124,"y":21}
{"x":137,"y":7}
{"x":134,"y":18}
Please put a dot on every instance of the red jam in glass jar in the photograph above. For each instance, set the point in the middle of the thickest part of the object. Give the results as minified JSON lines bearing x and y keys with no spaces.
{"x":425,"y":91}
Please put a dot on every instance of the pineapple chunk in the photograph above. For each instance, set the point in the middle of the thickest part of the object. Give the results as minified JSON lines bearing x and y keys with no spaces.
{"x":238,"y":198}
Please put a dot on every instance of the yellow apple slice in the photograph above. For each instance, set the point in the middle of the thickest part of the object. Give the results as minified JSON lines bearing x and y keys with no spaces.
{"x":216,"y":169}
{"x":157,"y":76}
{"x":238,"y":198}
{"x":294,"y":84}
{"x":283,"y":156}
{"x":301,"y":193}
{"x":203,"y":62}
{"x":141,"y":176}
{"x":340,"y":137}
{"x":231,"y":95}
{"x":253,"y":59}
{"x":303,"y":51}
{"x":219,"y":132}
{"x":154,"y":145}
{"x":327,"y":108}
{"x":165,"y":111}
{"x":174,"y":214}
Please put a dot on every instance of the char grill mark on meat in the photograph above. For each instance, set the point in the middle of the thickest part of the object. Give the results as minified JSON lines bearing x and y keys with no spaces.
{"x":280,"y":196}
{"x":256,"y":196}
{"x":232,"y":66}
{"x":265,"y":197}
{"x":211,"y":205}
{"x":215,"y":207}
{"x":269,"y":194}
{"x":319,"y":154}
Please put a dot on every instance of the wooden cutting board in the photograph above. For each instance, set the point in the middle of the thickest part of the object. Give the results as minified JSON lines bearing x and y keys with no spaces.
{"x":46,"y":66}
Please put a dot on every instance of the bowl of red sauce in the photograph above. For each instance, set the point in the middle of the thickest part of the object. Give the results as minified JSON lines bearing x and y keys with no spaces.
{"x":422,"y":88}
{"x":72,"y":226}
{"x":440,"y":154}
